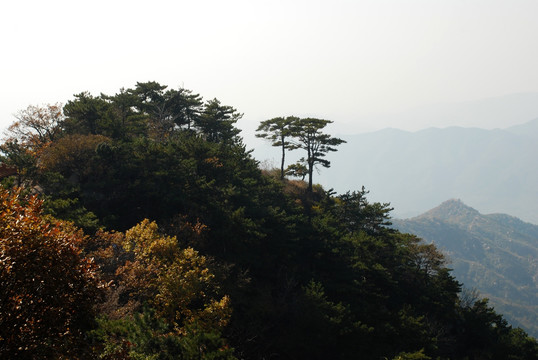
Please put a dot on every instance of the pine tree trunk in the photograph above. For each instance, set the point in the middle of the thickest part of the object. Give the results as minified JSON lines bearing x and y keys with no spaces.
{"x":310,"y":168}
{"x":283,"y":159}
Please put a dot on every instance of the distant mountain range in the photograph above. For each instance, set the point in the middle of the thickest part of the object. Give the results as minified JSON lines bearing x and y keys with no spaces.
{"x":487,"y":113}
{"x":497,"y":254}
{"x":491,"y":170}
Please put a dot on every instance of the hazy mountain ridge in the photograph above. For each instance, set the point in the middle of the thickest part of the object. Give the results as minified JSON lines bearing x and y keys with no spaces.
{"x":493,"y":170}
{"x":497,"y":254}
{"x":529,"y":129}
{"x":487,"y":113}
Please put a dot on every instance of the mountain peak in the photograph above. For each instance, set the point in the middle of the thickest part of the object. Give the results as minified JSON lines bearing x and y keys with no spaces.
{"x":494,"y":253}
{"x":451,"y":210}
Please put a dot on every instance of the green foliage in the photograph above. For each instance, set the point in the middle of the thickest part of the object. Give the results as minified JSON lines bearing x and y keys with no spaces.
{"x":417,"y":355}
{"x":62,"y":202}
{"x":186,"y":316}
{"x":87,"y":115}
{"x":292,"y":133}
{"x":278,"y":132}
{"x":70,"y":209}
{"x":310,"y":137}
{"x":236,"y":263}
{"x":198,"y":344}
{"x":493,"y":253}
{"x":21,"y":157}
{"x":216,"y":122}
{"x":145,"y":336}
{"x":485,"y":334}
{"x":297,"y":170}
{"x":355,"y":213}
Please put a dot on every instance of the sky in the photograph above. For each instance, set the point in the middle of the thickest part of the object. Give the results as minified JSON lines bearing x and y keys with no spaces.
{"x":358,"y":63}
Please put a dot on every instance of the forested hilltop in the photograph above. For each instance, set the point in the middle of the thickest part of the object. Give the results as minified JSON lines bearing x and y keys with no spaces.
{"x":496,"y":254}
{"x":138,"y":226}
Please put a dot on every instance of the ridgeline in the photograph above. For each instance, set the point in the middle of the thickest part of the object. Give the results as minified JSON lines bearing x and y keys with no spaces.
{"x":190,"y":251}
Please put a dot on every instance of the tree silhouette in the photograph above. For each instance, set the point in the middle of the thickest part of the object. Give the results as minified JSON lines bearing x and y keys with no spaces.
{"x":278,"y":131}
{"x":308,"y":134}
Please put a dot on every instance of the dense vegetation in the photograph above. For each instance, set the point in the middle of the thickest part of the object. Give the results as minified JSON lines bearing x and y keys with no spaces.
{"x":495,"y":254}
{"x":190,"y":251}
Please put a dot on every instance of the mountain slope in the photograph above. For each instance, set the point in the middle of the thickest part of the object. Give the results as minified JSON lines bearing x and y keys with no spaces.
{"x":493,"y":170}
{"x":529,"y":129}
{"x":497,"y":254}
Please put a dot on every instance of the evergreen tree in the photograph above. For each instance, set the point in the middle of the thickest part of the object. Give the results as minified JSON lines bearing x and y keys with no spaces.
{"x":216,"y":122}
{"x":280,"y":269}
{"x":308,"y":136}
{"x":278,"y":131}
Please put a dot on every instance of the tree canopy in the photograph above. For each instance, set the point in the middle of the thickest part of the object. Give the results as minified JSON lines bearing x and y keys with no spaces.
{"x":292,"y":133}
{"x":152,"y":193}
{"x":309,"y":137}
{"x":278,"y":131}
{"x":48,"y":287}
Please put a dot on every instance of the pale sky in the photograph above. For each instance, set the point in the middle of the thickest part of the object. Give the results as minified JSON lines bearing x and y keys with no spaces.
{"x":347,"y":61}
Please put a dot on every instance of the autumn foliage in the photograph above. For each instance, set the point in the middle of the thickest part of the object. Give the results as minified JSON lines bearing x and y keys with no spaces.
{"x":47,"y":288}
{"x":160,"y":285}
{"x":203,"y":255}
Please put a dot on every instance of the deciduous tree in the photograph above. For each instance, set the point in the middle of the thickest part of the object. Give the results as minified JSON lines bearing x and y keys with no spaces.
{"x":47,"y":287}
{"x":36,"y":126}
{"x":178,"y":281}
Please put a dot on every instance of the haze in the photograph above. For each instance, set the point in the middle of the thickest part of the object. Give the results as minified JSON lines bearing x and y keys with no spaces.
{"x":354,"y":62}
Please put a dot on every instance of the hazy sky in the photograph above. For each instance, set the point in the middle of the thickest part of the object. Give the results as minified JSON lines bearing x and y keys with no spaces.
{"x":341,"y":60}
